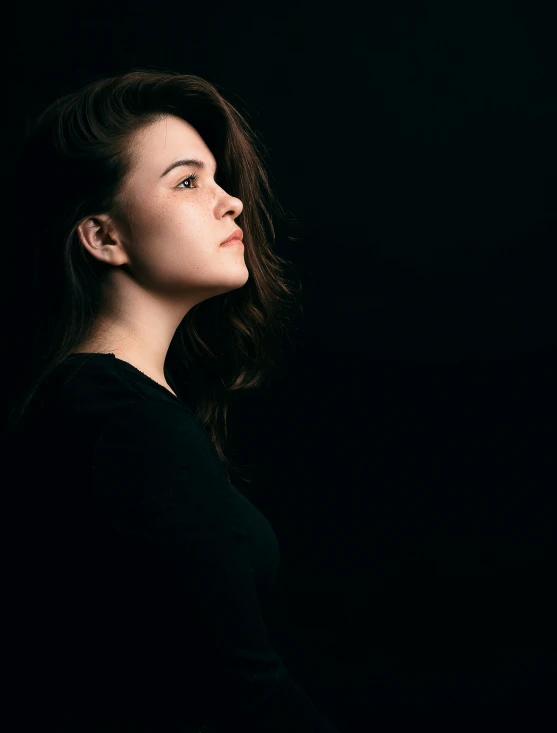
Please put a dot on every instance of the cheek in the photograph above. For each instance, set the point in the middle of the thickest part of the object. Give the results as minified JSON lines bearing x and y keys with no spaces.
{"x":170,"y":230}
{"x":171,"y":243}
{"x":156,"y":225}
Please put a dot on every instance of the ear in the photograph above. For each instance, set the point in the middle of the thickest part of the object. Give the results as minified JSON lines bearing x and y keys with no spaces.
{"x":102,"y":239}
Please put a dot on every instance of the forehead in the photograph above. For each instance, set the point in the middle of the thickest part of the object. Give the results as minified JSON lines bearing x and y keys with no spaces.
{"x":165,"y":140}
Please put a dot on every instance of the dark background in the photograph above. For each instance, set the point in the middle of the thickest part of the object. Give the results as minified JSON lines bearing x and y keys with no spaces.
{"x":406,"y":455}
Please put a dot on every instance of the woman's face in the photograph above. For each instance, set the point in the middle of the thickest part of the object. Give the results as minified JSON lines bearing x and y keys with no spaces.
{"x":176,"y":225}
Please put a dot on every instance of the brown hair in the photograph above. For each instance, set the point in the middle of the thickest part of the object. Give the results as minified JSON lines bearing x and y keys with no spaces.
{"x":80,"y":144}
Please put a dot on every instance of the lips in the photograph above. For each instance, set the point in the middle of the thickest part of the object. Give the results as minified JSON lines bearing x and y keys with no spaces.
{"x":236,"y":234}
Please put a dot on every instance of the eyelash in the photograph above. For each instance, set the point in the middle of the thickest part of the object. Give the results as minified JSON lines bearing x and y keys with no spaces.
{"x":191,"y":177}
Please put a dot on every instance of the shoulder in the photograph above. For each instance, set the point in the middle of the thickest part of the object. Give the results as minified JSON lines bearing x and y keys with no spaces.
{"x":152,"y":424}
{"x":153,"y":440}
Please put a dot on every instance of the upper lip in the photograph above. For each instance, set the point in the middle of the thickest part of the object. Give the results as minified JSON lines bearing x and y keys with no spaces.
{"x":236,"y":234}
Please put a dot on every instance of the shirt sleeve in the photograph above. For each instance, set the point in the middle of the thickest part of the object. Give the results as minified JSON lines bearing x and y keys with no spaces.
{"x":165,"y":473}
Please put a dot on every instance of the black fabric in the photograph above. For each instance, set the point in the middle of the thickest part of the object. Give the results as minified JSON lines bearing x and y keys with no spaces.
{"x":145,"y":574}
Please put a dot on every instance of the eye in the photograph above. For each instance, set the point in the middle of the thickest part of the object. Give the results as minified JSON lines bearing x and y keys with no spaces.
{"x":191,"y":177}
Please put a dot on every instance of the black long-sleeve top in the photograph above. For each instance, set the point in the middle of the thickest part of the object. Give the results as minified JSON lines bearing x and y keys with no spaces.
{"x":149,"y":573}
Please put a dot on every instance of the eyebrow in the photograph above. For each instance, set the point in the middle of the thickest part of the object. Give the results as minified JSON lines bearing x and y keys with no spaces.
{"x":192,"y":162}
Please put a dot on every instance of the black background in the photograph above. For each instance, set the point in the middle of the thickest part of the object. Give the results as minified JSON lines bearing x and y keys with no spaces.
{"x":406,"y":456}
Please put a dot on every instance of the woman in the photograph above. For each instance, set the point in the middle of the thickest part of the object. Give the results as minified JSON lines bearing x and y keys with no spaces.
{"x":147,"y":573}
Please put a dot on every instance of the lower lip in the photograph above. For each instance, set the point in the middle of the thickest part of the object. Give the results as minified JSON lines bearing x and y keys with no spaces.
{"x":233,"y":242}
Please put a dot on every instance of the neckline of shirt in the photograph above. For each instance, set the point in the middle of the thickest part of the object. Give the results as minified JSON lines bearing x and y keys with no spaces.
{"x":126,"y":364}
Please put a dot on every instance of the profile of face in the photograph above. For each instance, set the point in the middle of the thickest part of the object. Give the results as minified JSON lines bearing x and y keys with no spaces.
{"x":178,"y":218}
